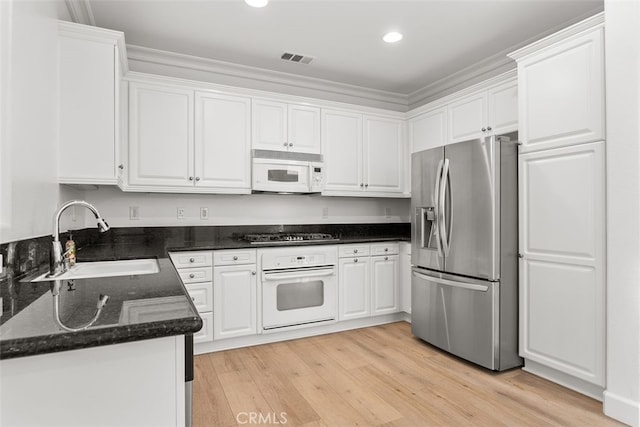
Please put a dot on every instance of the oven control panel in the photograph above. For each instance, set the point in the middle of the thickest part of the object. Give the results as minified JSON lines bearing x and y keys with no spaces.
{"x":297,"y":257}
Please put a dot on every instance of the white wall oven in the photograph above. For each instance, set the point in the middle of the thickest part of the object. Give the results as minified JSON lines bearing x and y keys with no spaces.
{"x":299,"y":286}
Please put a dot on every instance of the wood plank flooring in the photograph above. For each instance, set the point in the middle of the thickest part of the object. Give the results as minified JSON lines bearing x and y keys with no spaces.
{"x":379,"y":376}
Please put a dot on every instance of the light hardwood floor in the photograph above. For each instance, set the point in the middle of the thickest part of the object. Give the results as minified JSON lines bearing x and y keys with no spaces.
{"x":379,"y":376}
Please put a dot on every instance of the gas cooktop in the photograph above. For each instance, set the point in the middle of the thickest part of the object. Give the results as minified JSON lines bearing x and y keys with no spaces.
{"x":284,"y":238}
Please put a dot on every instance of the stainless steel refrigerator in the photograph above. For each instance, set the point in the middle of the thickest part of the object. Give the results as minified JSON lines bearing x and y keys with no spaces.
{"x":464,"y":281}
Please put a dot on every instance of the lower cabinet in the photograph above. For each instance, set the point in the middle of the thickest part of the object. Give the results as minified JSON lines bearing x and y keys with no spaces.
{"x":368,"y":283}
{"x":235,"y":291}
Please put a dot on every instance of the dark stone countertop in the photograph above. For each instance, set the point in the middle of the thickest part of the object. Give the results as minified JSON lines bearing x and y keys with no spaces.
{"x":140,"y":307}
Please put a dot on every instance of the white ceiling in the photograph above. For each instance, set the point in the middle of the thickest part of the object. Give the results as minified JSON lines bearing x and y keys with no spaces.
{"x":345,"y":37}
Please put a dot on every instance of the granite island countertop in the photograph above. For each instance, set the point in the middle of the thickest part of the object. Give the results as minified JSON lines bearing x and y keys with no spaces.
{"x":140,"y":307}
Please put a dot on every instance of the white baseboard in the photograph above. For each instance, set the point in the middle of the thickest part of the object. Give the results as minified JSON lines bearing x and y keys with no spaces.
{"x":622,"y":409}
{"x":239,"y":342}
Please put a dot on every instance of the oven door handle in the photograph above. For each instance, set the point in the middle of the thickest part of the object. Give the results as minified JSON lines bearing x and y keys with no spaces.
{"x":299,"y":274}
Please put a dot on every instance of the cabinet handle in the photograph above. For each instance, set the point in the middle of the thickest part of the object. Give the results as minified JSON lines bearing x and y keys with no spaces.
{"x":190,"y":178}
{"x":386,"y":258}
{"x":197,"y":178}
{"x":355,"y":251}
{"x":484,"y":129}
{"x":488,"y":127}
{"x":193,"y":299}
{"x":121,"y":166}
{"x":386,"y":249}
{"x":291,"y":144}
{"x":253,"y":273}
{"x":366,"y":185}
{"x":235,"y":258}
{"x":285,"y":144}
{"x":520,"y":256}
{"x":191,"y":276}
{"x":355,"y":260}
{"x":361,"y":184}
{"x":192,"y":260}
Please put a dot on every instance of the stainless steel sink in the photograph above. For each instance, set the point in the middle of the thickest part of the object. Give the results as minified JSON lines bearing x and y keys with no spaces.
{"x":89,"y":270}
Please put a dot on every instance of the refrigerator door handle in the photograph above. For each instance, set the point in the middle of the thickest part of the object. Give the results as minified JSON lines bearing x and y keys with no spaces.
{"x":452,"y":283}
{"x":436,"y":192}
{"x":444,"y":234}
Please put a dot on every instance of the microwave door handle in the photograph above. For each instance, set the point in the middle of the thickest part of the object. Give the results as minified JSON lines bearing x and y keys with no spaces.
{"x":297,"y":274}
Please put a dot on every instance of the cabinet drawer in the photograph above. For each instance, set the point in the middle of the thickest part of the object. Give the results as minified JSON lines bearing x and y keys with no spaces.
{"x":245,"y":256}
{"x":206,"y":333}
{"x":195,"y":275}
{"x":353,"y":250}
{"x":385,"y":248}
{"x":191,"y":259}
{"x":202,"y":296}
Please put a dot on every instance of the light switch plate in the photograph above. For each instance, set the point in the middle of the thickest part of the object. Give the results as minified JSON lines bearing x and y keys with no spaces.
{"x":134,"y":213}
{"x":204,"y":213}
{"x":180,"y":213}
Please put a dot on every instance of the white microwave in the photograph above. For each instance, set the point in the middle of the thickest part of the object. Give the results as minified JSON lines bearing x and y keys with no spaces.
{"x":278,"y":172}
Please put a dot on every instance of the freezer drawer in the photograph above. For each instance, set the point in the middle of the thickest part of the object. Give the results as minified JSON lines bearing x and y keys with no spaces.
{"x":457,"y":314}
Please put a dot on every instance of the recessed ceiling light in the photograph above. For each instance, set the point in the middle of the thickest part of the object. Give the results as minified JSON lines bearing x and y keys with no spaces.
{"x":256,"y":3}
{"x":392,"y":37}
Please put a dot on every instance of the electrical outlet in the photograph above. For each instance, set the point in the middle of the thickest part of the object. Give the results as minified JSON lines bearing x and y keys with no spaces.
{"x":180,"y":213}
{"x":325,"y":212}
{"x":387,"y":212}
{"x":134,"y":213}
{"x":204,"y":213}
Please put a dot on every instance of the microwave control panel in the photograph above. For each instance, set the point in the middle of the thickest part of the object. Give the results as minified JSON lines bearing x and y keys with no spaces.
{"x":317,"y":176}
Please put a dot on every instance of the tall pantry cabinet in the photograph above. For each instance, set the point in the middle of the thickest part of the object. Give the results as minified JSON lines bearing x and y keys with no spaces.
{"x":562,"y":206}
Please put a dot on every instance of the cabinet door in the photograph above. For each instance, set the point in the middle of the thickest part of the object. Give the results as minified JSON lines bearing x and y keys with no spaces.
{"x":222,"y":142}
{"x":562,"y":225}
{"x":561,"y":92}
{"x":160,"y":135}
{"x":342,"y":151}
{"x":467,"y":117}
{"x":428,"y":130}
{"x":88,"y":85}
{"x":303,"y":129}
{"x":234,"y":301}
{"x":502,"y":114}
{"x":384,"y":284}
{"x":405,"y":277}
{"x":383,"y":154}
{"x":355,"y":296}
{"x":269,"y":125}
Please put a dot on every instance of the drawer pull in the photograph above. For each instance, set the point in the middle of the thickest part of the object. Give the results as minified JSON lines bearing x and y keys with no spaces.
{"x":253,"y":273}
{"x":235,"y":258}
{"x":355,"y":260}
{"x":386,"y":258}
{"x":355,"y":251}
{"x":193,"y":299}
{"x":192,"y":260}
{"x":386,"y":249}
{"x":191,"y":276}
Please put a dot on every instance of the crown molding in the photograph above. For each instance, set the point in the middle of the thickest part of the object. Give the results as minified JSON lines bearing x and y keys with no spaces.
{"x":80,"y":11}
{"x":588,"y":24}
{"x":99,"y":35}
{"x":155,"y":56}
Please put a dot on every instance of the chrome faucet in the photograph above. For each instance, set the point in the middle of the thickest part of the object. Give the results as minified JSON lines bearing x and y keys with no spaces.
{"x":56,"y":256}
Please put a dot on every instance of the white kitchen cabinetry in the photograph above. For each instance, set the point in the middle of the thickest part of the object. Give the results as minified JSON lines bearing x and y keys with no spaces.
{"x":234,"y":294}
{"x":561,"y":90}
{"x":368,"y":280}
{"x":490,"y":112}
{"x":97,"y":386}
{"x":181,"y":140}
{"x":160,"y":136}
{"x":562,"y":207}
{"x":285,"y":127}
{"x":92,"y":63}
{"x":405,"y":277}
{"x":196,"y":272}
{"x":363,"y":155}
{"x":562,"y":238}
{"x":428,"y":130}
{"x":222,"y":142}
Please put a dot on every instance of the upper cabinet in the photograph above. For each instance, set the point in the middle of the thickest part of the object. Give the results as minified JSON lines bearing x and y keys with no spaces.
{"x":562,"y":92}
{"x":91,"y":66}
{"x":490,"y":108}
{"x":285,"y":127}
{"x":363,"y":154}
{"x":490,"y":112}
{"x":187,"y":141}
{"x":428,"y":130}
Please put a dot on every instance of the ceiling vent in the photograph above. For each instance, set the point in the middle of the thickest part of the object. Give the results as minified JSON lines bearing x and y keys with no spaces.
{"x":296,"y":57}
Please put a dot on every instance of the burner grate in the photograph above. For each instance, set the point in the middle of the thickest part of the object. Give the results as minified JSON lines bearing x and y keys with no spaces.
{"x":287,"y":237}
